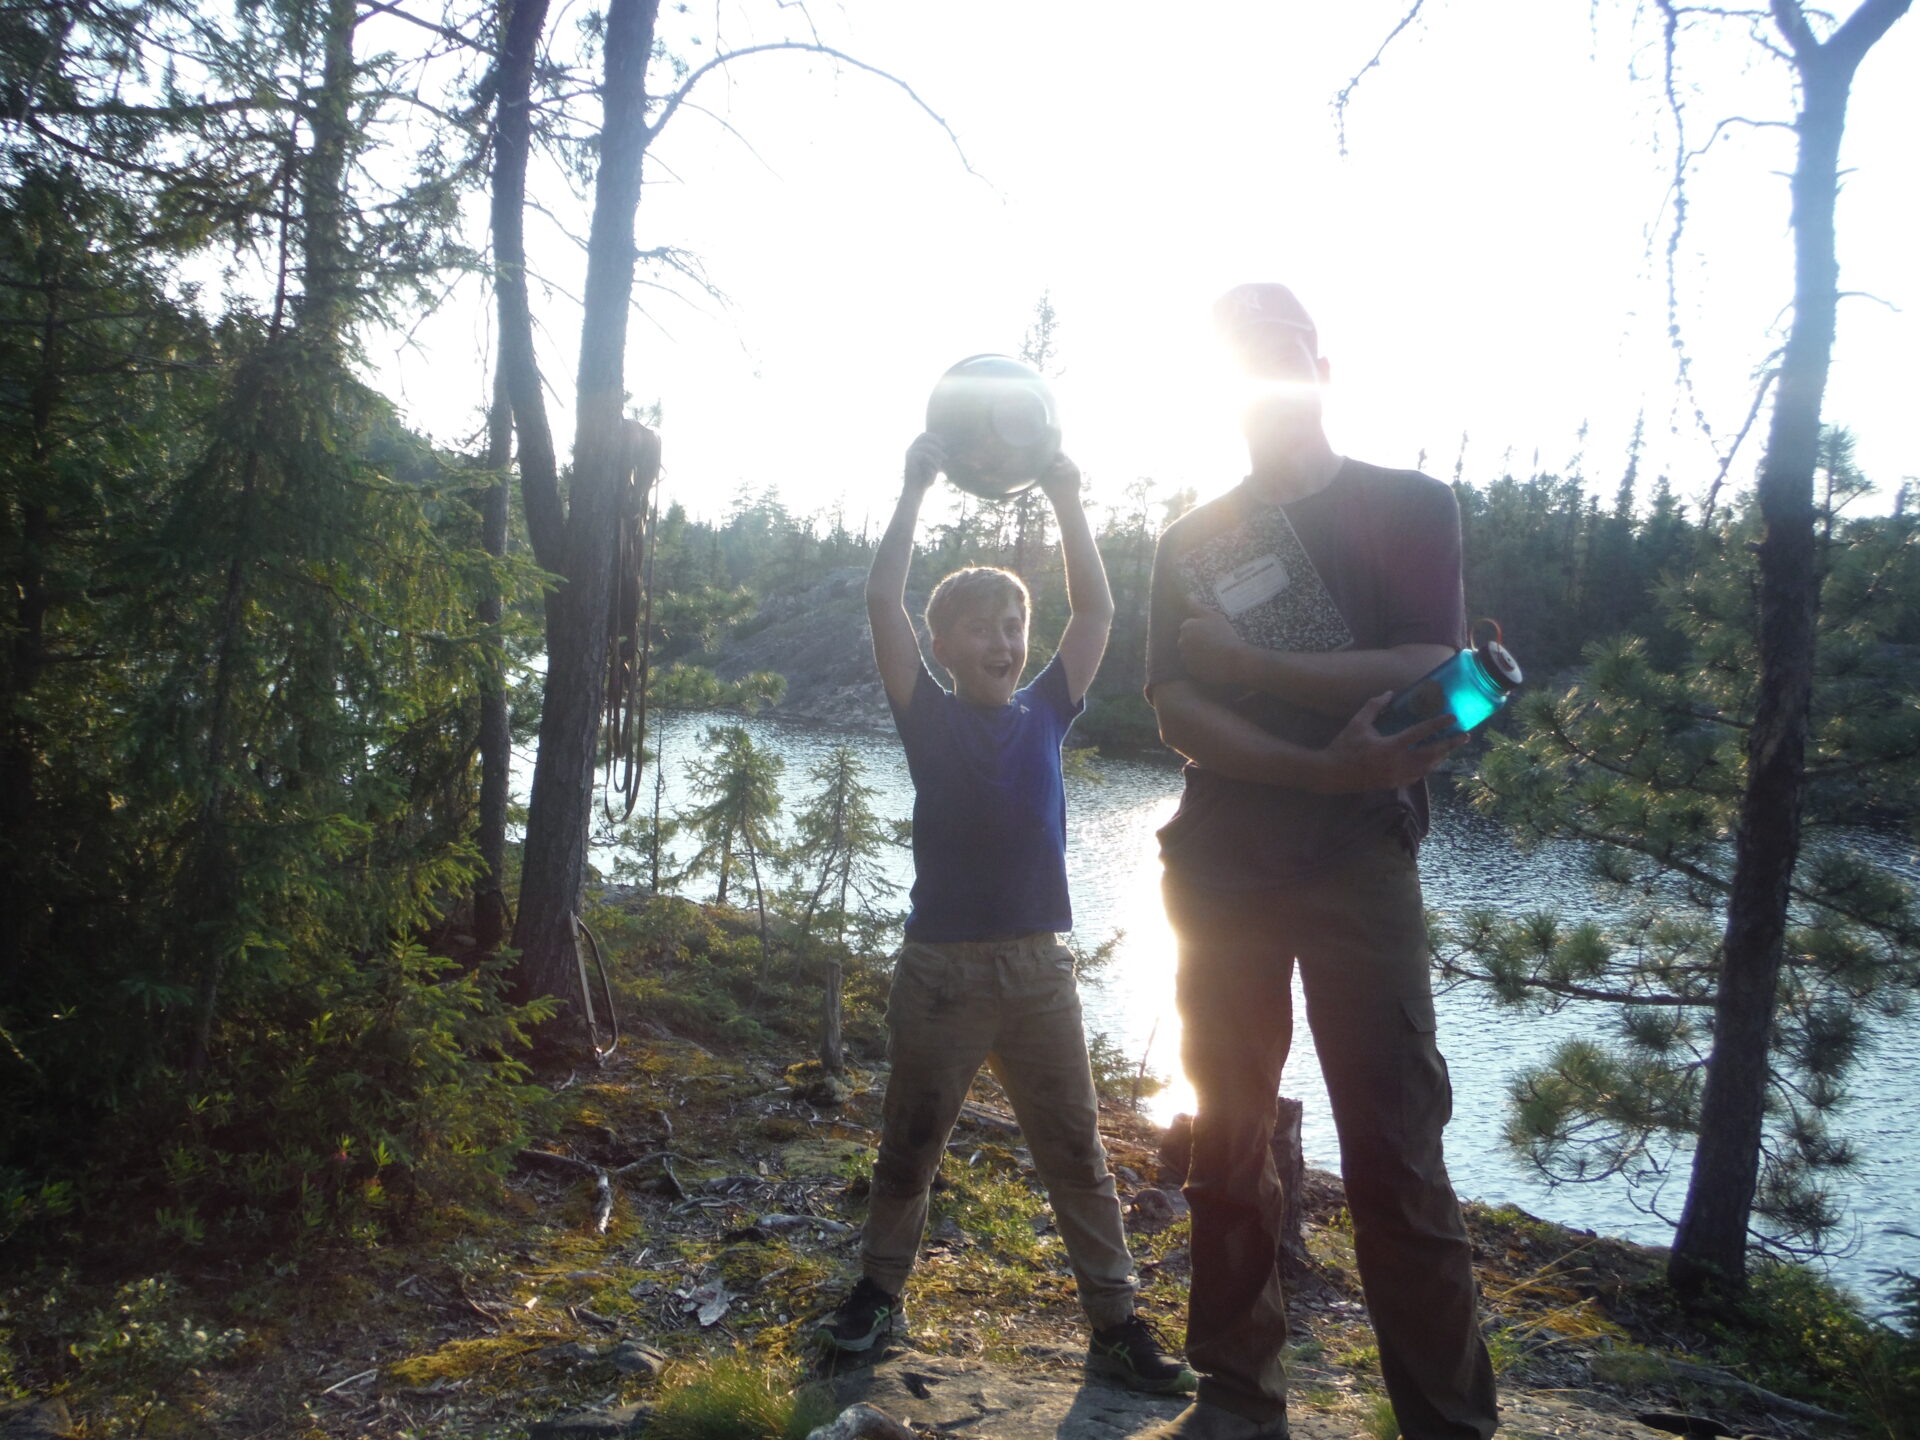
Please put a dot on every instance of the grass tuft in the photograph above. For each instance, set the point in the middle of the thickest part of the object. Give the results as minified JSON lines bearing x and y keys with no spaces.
{"x":1378,"y":1423}
{"x":735,"y":1397}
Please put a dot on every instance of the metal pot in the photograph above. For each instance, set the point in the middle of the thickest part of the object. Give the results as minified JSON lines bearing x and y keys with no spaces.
{"x":999,"y":422}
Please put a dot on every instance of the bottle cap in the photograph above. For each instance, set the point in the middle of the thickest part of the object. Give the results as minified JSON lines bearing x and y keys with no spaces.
{"x":1496,"y":658}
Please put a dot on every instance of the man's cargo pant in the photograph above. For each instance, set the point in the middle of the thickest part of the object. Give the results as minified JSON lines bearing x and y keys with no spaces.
{"x":952,"y":1007}
{"x":1359,"y":935}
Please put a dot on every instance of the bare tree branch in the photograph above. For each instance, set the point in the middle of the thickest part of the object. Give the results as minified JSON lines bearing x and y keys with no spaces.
{"x":679,"y":97}
{"x":1792,"y":22}
{"x":1862,"y":30}
{"x":1346,"y":91}
{"x":1682,"y":159}
{"x":1746,"y":428}
{"x":464,"y":41}
{"x":727,"y":125}
{"x":1720,"y":125}
{"x":189,"y":110}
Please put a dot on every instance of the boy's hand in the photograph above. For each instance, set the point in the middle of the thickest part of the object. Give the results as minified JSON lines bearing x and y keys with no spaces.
{"x":926,"y":458}
{"x":1210,"y":650}
{"x":1061,"y":482}
{"x":1360,"y":758}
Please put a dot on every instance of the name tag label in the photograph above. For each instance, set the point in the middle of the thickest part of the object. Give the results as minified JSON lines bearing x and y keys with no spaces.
{"x":1251,"y":584}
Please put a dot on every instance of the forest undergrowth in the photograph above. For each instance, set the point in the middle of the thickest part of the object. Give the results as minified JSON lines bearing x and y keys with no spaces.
{"x":682,"y":1213}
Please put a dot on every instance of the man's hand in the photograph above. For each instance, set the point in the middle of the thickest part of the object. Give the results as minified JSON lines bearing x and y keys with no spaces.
{"x":1061,"y":481}
{"x":1210,"y":650}
{"x":1360,"y":758}
{"x":926,"y":458}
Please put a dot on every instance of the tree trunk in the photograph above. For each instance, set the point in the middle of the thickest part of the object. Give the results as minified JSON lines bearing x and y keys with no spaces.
{"x":326,"y":300}
{"x":28,"y":592}
{"x":554,"y":865}
{"x":1289,"y":1167}
{"x":833,"y":1053}
{"x":323,"y":316}
{"x":1290,"y":1164}
{"x":496,"y":739}
{"x":1710,"y":1245}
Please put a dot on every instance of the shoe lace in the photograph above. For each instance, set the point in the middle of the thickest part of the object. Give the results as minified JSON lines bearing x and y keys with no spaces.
{"x":868,"y":1292}
{"x":1136,"y":1332}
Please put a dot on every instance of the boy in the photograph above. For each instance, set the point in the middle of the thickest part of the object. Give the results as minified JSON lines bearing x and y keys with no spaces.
{"x":982,"y":975}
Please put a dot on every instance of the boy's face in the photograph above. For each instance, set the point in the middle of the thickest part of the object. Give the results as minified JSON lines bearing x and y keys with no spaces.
{"x":984,"y":650}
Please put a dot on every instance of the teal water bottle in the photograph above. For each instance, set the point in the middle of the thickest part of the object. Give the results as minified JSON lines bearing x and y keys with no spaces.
{"x":1471,"y":685}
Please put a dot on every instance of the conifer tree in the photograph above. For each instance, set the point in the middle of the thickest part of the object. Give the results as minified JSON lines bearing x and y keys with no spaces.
{"x":736,"y":786}
{"x":1709,"y":1248}
{"x":572,"y":527}
{"x":238,"y":718}
{"x":738,"y":818}
{"x":1645,"y":762}
{"x":835,"y":855}
{"x":1823,"y":52}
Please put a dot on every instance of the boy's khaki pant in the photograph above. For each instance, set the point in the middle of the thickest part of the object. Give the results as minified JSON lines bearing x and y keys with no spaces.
{"x":1014,"y":1003}
{"x":1359,"y":935}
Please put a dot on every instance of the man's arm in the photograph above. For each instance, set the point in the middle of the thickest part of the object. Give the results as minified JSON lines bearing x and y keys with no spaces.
{"x":896,"y":649}
{"x":1359,"y":758}
{"x":1332,"y":682}
{"x":1089,"y":601}
{"x":1217,"y":738}
{"x":1417,"y":552}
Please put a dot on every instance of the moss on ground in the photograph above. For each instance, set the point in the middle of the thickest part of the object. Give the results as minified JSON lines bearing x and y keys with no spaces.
{"x":507,"y":1307}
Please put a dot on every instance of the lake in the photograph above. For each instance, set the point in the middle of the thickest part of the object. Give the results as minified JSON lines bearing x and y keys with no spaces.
{"x":1114,"y":871}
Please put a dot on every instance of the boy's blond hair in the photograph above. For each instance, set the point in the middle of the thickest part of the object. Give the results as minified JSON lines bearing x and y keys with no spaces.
{"x":972,"y":589}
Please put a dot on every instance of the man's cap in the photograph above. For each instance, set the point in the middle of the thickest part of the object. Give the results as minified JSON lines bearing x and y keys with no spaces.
{"x":1245,"y":310}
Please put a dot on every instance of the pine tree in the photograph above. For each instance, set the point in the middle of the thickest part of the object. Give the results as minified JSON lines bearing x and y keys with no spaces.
{"x":835,"y":858}
{"x":736,"y":785}
{"x":238,"y":709}
{"x":1645,"y":762}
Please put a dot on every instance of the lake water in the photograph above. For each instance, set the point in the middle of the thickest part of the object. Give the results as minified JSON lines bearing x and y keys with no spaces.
{"x":1114,"y":871}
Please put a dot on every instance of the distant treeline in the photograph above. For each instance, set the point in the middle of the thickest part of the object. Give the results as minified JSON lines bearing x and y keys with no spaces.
{"x":1559,"y":567}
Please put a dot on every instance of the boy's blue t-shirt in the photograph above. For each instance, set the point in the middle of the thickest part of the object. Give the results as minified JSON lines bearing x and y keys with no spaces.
{"x":989,"y":810}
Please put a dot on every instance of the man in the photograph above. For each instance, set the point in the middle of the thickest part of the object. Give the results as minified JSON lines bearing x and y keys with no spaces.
{"x":1284,"y":615}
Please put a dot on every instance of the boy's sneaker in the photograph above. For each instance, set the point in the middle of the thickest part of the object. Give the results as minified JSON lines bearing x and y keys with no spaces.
{"x":1134,"y":1354}
{"x":867,"y":1315}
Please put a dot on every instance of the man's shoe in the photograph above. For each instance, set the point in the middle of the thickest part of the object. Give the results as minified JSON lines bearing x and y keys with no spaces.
{"x":868,"y":1315}
{"x":1133,"y":1354}
{"x":1201,"y":1421}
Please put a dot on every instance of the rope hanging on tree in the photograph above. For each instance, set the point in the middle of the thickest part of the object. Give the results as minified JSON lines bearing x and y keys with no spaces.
{"x":630,"y":620}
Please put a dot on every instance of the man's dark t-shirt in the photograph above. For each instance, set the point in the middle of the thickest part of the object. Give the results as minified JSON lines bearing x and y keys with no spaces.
{"x":989,"y":810}
{"x":1386,"y":544}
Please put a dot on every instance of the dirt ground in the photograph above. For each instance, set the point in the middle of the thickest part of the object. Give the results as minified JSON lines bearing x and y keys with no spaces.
{"x":703,"y":1206}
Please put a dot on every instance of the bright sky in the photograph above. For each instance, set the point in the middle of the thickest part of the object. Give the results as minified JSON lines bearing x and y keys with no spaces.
{"x":1486,"y":259}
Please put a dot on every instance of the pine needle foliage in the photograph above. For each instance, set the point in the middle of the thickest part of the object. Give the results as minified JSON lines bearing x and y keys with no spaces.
{"x":1644,"y":762}
{"x":238,"y":698}
{"x":737,"y":811}
{"x":837,"y":852}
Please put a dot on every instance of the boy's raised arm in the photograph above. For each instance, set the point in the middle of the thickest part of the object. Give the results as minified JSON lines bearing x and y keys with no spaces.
{"x":1089,"y":601}
{"x":896,"y":650}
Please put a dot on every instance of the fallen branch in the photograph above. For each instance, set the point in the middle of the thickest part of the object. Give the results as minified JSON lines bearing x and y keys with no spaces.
{"x":602,"y":1179}
{"x":1706,"y":1375}
{"x":602,"y":1203}
{"x":987,"y":1120}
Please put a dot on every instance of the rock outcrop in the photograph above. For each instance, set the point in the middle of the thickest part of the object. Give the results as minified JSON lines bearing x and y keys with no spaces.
{"x":970,"y":1397}
{"x":820,"y":641}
